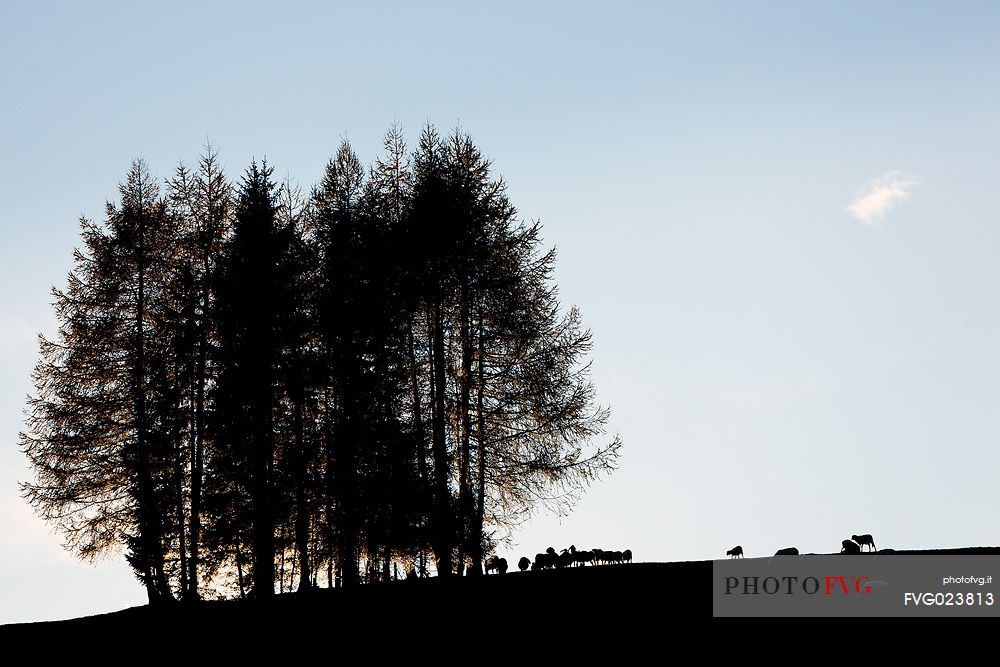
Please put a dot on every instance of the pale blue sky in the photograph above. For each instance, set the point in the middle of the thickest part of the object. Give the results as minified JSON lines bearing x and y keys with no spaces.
{"x":782,"y":372}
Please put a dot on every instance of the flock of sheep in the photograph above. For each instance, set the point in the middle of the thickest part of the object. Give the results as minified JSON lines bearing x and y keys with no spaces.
{"x":855,"y":545}
{"x":569,"y":557}
{"x":565,"y":558}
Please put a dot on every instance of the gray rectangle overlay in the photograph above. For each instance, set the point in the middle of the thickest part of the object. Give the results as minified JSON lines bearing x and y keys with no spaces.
{"x":858,"y":585}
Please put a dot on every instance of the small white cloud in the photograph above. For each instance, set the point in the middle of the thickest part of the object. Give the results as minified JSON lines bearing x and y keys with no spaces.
{"x":882,"y":194}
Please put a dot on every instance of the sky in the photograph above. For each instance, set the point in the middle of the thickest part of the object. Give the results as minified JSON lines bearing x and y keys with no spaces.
{"x":779,"y":219}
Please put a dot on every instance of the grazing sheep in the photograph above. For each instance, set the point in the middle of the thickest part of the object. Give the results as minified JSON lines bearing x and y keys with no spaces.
{"x":627,"y":556}
{"x":565,"y":559}
{"x":523,"y":564}
{"x":850,"y":547}
{"x":581,"y":557}
{"x":735,"y":552}
{"x":498,"y":565}
{"x":574,"y":555}
{"x":790,"y":551}
{"x":862,"y":540}
{"x":598,"y":556}
{"x":545,"y":560}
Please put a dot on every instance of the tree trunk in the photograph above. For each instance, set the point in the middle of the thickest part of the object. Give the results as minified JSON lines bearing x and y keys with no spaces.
{"x":263,"y":546}
{"x":465,"y":501}
{"x":443,"y":533}
{"x":347,"y":514}
{"x":418,"y":423}
{"x":328,"y":526}
{"x":179,"y":490}
{"x":239,"y":570}
{"x":481,"y":453}
{"x":149,"y":522}
{"x":197,"y":453}
{"x":301,"y":504}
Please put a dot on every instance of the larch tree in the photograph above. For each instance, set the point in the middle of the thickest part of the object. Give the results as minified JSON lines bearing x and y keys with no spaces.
{"x":509,"y":386}
{"x":201,"y":204}
{"x":341,"y":306}
{"x":98,"y":448}
{"x":256,"y":315}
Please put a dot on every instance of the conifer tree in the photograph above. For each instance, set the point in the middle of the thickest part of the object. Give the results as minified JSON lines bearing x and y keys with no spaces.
{"x":255,"y":307}
{"x":201,"y":204}
{"x":97,"y":445}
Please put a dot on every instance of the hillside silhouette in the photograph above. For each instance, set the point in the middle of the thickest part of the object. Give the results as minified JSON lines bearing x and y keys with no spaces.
{"x":634,"y":600}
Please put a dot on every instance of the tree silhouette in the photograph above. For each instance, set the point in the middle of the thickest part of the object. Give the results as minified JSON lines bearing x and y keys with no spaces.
{"x":257,"y":328}
{"x":248,"y":389}
{"x":500,"y":355}
{"x":99,"y":451}
{"x":201,"y":204}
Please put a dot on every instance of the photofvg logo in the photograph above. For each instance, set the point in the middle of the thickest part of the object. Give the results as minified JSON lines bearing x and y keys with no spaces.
{"x":791,"y":585}
{"x":856,"y":585}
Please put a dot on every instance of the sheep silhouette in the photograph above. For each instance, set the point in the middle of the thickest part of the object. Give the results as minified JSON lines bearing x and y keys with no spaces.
{"x":548,"y":559}
{"x":498,"y":565}
{"x":581,"y":557}
{"x":735,"y":552}
{"x":627,"y":556}
{"x":523,"y":564}
{"x":863,"y":540}
{"x":790,"y":551}
{"x":850,"y":547}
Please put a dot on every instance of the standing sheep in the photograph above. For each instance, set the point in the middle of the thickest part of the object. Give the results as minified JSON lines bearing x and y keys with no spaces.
{"x":523,"y":564}
{"x":849,"y":547}
{"x":863,"y":540}
{"x":735,"y":552}
{"x":545,"y":560}
{"x":498,"y":565}
{"x":581,"y":557}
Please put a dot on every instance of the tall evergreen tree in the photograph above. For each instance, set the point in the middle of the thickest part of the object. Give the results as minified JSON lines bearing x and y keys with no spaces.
{"x":341,"y":310}
{"x":97,"y":446}
{"x":299,"y":368}
{"x":500,"y":355}
{"x":429,"y":264}
{"x":255,"y":305}
{"x":201,"y":203}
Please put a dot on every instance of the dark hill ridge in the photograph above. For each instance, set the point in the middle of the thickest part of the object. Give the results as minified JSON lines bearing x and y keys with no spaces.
{"x":515,"y":592}
{"x":638,"y":596}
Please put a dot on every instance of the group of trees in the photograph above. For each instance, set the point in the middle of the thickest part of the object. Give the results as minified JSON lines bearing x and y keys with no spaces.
{"x":252,"y":389}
